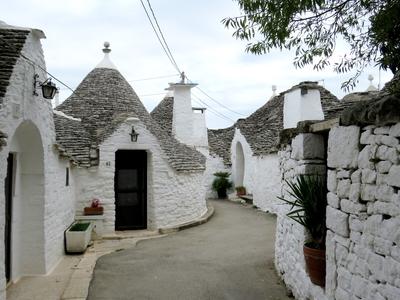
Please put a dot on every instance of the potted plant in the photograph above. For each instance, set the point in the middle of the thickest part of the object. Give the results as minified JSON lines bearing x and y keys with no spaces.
{"x":95,"y":208}
{"x":77,"y":237}
{"x":240,"y":191}
{"x":221,"y":183}
{"x":308,"y":208}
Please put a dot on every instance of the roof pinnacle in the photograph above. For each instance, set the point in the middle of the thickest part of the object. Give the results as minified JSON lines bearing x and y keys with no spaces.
{"x":106,"y":48}
{"x":106,"y":62}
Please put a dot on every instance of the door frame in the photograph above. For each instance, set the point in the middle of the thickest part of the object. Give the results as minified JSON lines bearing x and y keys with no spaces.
{"x":8,"y":212}
{"x":145,"y":197}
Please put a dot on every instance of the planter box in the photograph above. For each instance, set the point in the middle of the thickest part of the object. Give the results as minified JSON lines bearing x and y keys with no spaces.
{"x":91,"y":211}
{"x":77,"y":237}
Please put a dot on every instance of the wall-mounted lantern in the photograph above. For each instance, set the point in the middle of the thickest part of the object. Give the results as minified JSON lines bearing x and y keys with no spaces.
{"x":134,"y":135}
{"x":49,"y":89}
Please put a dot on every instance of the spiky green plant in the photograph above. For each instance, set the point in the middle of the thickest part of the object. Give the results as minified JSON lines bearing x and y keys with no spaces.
{"x":221,"y":181}
{"x":308,"y":206}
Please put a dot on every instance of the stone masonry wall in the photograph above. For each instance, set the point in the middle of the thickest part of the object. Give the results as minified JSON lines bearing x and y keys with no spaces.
{"x":305,"y":155}
{"x":363,"y":213}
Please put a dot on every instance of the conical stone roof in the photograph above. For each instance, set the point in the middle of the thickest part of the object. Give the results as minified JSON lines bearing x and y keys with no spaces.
{"x":104,"y":99}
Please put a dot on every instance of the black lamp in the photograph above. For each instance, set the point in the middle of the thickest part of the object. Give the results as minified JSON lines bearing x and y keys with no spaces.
{"x":134,"y":135}
{"x":49,"y":89}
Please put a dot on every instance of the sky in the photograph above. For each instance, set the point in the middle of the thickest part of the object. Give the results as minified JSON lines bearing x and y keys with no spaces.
{"x":200,"y":44}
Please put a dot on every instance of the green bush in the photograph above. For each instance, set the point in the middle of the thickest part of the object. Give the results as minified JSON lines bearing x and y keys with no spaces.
{"x":221,"y":181}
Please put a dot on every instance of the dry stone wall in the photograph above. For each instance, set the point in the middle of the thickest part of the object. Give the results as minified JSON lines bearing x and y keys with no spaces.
{"x":363,"y":213}
{"x":304,"y":155}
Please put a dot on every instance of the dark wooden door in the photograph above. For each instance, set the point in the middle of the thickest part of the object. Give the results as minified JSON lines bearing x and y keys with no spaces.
{"x":130,"y":185}
{"x":8,"y":215}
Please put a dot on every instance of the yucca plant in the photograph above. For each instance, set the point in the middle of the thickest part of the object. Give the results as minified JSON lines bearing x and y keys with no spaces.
{"x":308,"y":206}
{"x":221,"y":183}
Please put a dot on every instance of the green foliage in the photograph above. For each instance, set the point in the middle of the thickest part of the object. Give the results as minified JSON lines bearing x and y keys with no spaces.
{"x":308,"y":205}
{"x":79,"y":227}
{"x":385,"y":33}
{"x":221,"y":181}
{"x":312,"y":28}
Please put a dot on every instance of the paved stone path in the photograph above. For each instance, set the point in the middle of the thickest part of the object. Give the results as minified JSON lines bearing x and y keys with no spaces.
{"x":230,"y":257}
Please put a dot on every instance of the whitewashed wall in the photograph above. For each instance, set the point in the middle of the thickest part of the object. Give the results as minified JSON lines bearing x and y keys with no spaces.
{"x":214,"y":163}
{"x":305,"y":155}
{"x":182,"y":118}
{"x":261,"y":174}
{"x":55,"y":209}
{"x":267,"y":182}
{"x":172,"y":198}
{"x":363,"y":214}
{"x":298,"y":107}
{"x":200,"y":134}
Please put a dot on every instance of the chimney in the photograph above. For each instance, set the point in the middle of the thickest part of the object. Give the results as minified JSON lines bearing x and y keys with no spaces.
{"x":302,"y":102}
{"x":182,"y":120}
{"x":188,"y":123}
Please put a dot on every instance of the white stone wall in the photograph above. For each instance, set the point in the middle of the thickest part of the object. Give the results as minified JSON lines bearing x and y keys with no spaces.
{"x":56,"y":207}
{"x":363,"y":214}
{"x":298,"y":107}
{"x":305,"y":155}
{"x":261,"y":174}
{"x":182,"y":118}
{"x":200,"y":134}
{"x":172,"y":198}
{"x":214,"y":163}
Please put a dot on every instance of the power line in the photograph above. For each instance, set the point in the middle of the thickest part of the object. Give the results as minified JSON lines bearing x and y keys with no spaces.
{"x":212,"y":110}
{"x":159,"y":39}
{"x":34,"y":64}
{"x":219,"y":103}
{"x":214,"y":113}
{"x":162,"y":35}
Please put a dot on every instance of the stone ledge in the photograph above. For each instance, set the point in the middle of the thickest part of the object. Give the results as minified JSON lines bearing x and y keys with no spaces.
{"x":203,"y":219}
{"x":378,"y":111}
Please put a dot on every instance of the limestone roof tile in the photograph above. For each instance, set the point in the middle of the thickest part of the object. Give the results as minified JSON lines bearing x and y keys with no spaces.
{"x":12,"y":41}
{"x":104,"y":99}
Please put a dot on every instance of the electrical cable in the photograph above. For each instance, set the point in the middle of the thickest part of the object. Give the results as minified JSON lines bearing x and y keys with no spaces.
{"x":220,"y":104}
{"x":211,"y":109}
{"x":162,"y":35}
{"x":158,"y":37}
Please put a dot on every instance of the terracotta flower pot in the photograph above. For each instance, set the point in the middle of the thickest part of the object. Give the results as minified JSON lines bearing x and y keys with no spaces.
{"x":315,"y":265}
{"x":240,"y":191}
{"x":90,"y":211}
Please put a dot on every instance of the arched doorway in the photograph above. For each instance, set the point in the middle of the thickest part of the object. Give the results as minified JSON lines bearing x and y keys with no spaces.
{"x":25,"y":200}
{"x":239,"y":169}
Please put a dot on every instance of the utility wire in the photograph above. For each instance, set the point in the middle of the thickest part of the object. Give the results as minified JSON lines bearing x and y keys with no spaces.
{"x":167,"y":51}
{"x":34,"y":64}
{"x":219,"y":103}
{"x":159,"y":39}
{"x":212,"y":110}
{"x":162,"y":36}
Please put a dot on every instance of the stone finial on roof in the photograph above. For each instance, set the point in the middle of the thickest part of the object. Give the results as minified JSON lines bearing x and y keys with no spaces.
{"x":371,"y":87}
{"x":106,"y":62}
